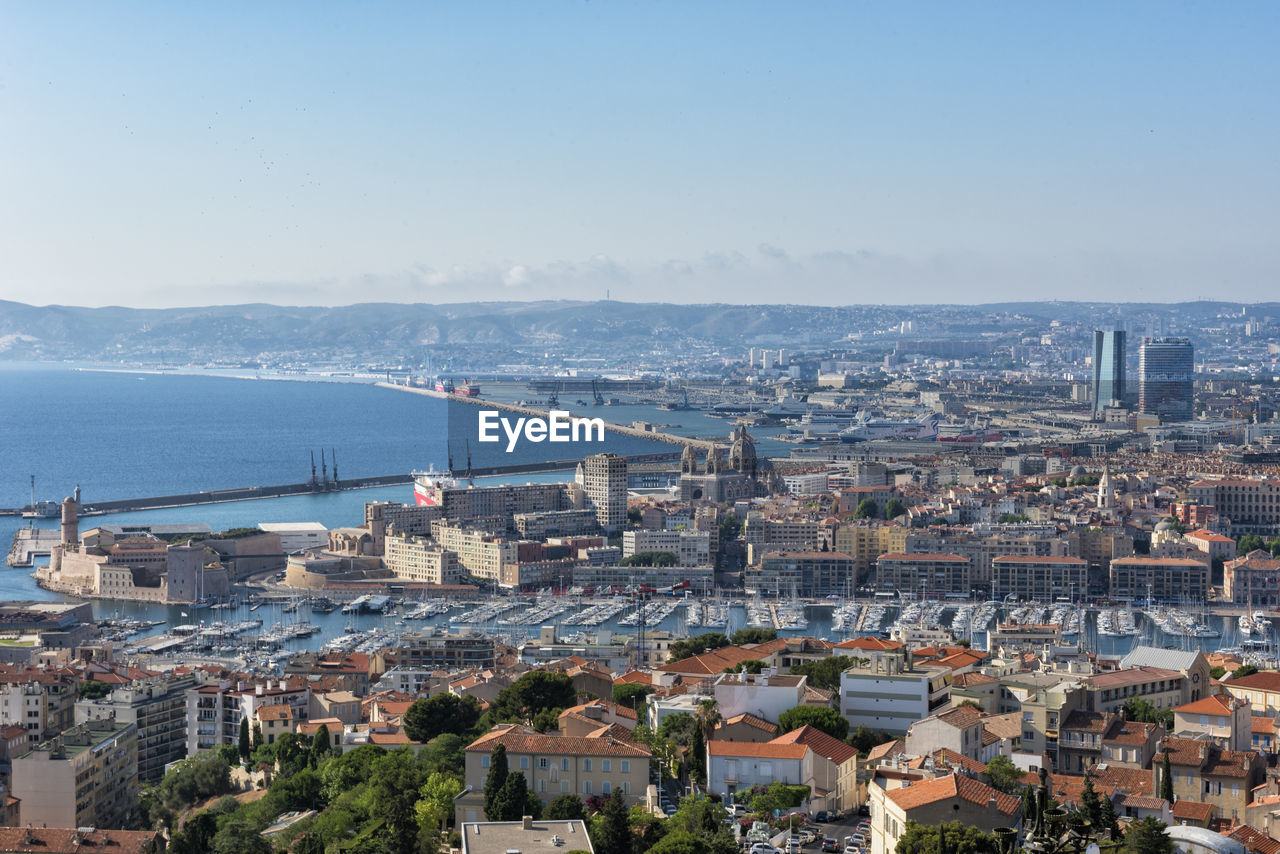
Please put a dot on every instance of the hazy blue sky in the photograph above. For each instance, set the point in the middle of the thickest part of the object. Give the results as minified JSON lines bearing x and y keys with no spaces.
{"x":328,"y":153}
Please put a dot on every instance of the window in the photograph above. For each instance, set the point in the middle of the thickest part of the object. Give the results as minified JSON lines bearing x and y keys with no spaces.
{"x":586,"y":787}
{"x":542,"y":784}
{"x":605,"y":788}
{"x":484,"y":761}
{"x":564,"y":787}
{"x":624,"y":787}
{"x":564,"y":764}
{"x":604,"y":765}
{"x":626,"y":766}
{"x":586,"y":765}
{"x":543,"y":762}
{"x":524,"y":763}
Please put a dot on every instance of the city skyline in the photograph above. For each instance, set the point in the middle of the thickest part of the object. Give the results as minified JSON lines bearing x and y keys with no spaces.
{"x":165,"y":156}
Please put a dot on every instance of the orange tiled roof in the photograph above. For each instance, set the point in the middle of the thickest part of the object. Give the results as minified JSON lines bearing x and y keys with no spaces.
{"x":820,"y":743}
{"x":750,"y":720}
{"x":1218,"y":704}
{"x":1263,"y":680}
{"x":1254,"y":841}
{"x":65,"y":840}
{"x":1192,"y":810}
{"x":518,"y":739}
{"x":1263,"y":725}
{"x":938,"y":789}
{"x":764,"y":749}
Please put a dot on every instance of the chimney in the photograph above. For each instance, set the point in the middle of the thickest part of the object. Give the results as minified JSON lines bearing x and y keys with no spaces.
{"x":528,"y":822}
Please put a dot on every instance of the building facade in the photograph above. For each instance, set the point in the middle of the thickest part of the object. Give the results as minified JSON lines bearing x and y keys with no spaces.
{"x":1165,"y":378}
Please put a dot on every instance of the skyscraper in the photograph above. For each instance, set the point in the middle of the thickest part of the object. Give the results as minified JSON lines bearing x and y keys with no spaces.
{"x":604,"y":480}
{"x":1108,"y":369}
{"x":1165,"y":372}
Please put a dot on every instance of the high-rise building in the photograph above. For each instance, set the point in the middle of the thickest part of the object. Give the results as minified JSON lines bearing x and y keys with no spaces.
{"x":1108,"y":369}
{"x":87,"y":776}
{"x":604,"y":480}
{"x":1165,"y":378}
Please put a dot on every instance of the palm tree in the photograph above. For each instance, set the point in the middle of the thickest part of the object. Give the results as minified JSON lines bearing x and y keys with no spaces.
{"x":708,"y":715}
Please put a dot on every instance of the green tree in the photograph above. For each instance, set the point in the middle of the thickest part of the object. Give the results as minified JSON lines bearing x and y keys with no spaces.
{"x":321,"y":745}
{"x":441,"y":713}
{"x":687,"y":647}
{"x":1003,"y":775}
{"x":534,"y":692}
{"x":345,"y":772}
{"x":825,"y":672}
{"x":678,"y":728}
{"x":309,"y":842}
{"x":893,"y":508}
{"x":959,"y":838}
{"x":443,"y":753}
{"x":753,"y":635}
{"x":863,"y":739}
{"x":698,"y":756}
{"x":1166,"y":779}
{"x":1217,"y":671}
{"x":257,"y":735}
{"x":631,"y":694}
{"x":395,"y":784}
{"x":1243,"y":670}
{"x":244,"y":740}
{"x":494,"y":781}
{"x":515,"y":800}
{"x":1273,"y":546}
{"x":704,"y":819}
{"x":1089,"y":804}
{"x":1138,"y":709}
{"x":565,"y":808}
{"x":239,"y":836}
{"x":1108,"y":821}
{"x":435,"y":802}
{"x":1248,"y":543}
{"x":91,"y":689}
{"x":867,"y":509}
{"x":650,"y":559}
{"x":824,"y":718}
{"x":610,"y":831}
{"x":1148,"y":836}
{"x":751,"y":665}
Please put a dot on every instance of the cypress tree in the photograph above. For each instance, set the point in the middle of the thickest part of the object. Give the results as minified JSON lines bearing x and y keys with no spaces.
{"x":494,"y":781}
{"x":244,"y":739}
{"x":1166,"y":779}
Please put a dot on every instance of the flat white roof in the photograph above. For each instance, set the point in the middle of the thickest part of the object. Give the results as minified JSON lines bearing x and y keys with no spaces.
{"x":292,"y":527}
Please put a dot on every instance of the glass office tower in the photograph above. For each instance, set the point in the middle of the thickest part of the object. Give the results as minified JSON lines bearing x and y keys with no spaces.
{"x":1165,"y":378}
{"x":1108,"y":369}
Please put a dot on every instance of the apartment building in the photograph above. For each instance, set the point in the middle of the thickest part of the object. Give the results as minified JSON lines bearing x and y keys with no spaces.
{"x":933,"y":801}
{"x":1252,"y":580}
{"x":421,"y":560}
{"x":1165,"y":579}
{"x":1109,"y":692}
{"x":1204,"y":772}
{"x":801,"y":573}
{"x":85,"y":777}
{"x":959,"y":730}
{"x":1251,"y":504}
{"x":764,"y":695}
{"x":479,"y":552}
{"x":437,"y":649}
{"x":1261,"y":689}
{"x":1040,"y":578}
{"x":924,"y":574}
{"x":157,"y":706}
{"x":885,"y":691}
{"x":1225,"y":720}
{"x":691,"y":548}
{"x":864,"y":541}
{"x":600,"y":764}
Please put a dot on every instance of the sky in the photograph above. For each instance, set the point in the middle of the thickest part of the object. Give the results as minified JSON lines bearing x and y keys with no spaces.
{"x":166,"y":154}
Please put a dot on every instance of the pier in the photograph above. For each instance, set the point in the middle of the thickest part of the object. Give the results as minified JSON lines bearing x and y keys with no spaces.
{"x":30,"y":543}
{"x":655,"y":435}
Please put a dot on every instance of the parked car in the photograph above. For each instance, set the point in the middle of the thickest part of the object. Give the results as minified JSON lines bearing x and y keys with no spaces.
{"x":829,"y":844}
{"x":822,"y":816}
{"x":765,"y":848}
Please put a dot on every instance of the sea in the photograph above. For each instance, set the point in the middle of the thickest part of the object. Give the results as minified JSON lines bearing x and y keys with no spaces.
{"x":117,"y":432}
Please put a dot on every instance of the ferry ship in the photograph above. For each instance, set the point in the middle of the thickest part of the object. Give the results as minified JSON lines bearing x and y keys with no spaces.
{"x":467,"y":389}
{"x":867,"y":428}
{"x":426,"y":482}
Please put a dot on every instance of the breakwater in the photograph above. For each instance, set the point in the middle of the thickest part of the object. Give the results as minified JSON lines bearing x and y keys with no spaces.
{"x":621,"y":430}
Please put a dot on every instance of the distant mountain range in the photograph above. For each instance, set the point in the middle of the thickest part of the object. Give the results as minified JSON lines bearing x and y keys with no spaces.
{"x":380,"y":331}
